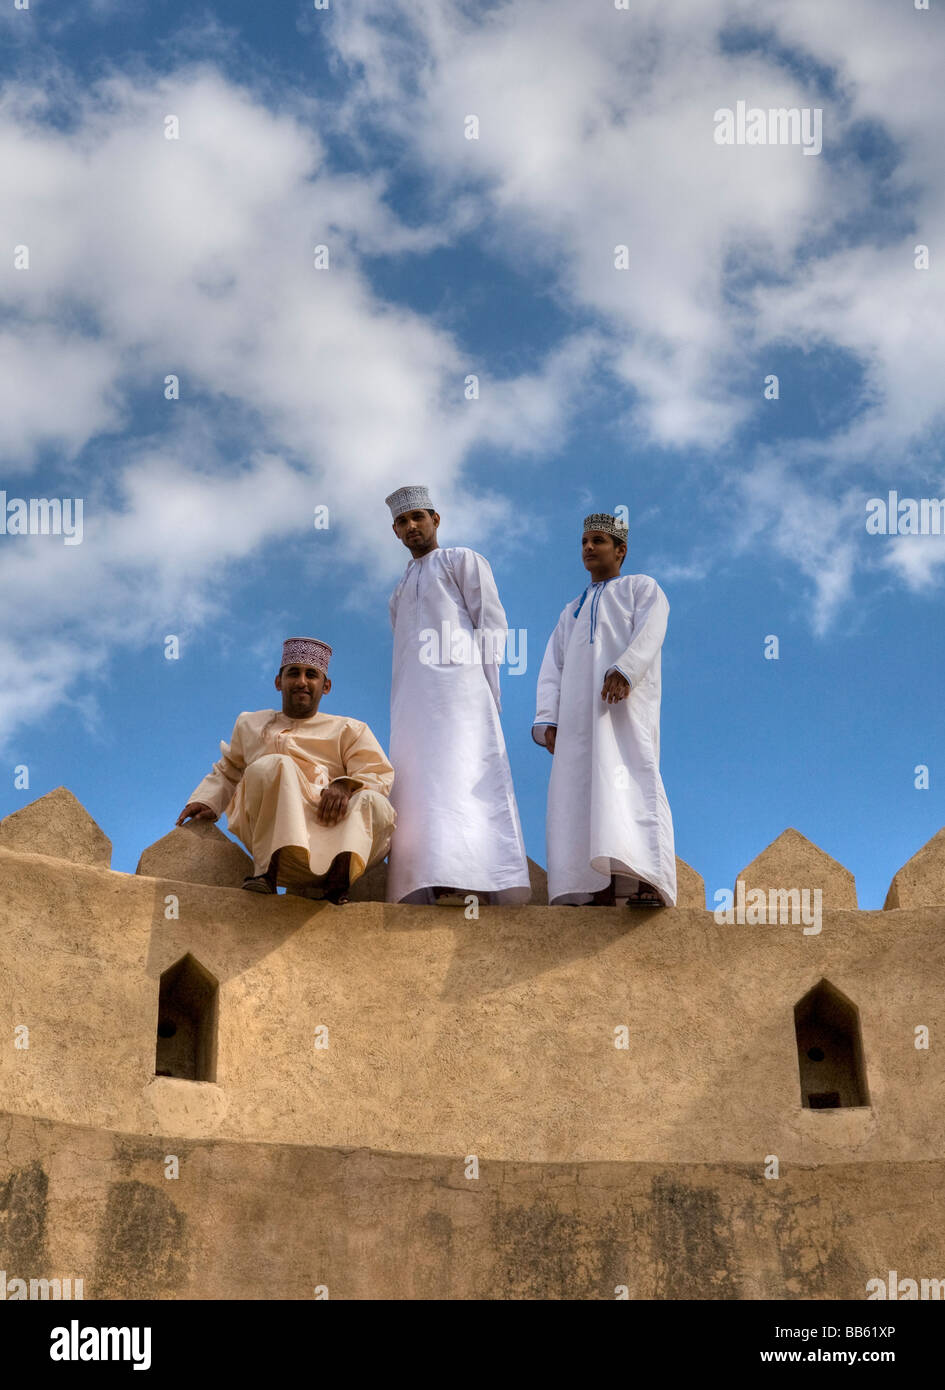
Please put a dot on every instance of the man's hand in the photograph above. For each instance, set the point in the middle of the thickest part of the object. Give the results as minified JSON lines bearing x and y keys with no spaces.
{"x":196,"y":810}
{"x":551,"y":733}
{"x":333,"y":806}
{"x":616,"y":688}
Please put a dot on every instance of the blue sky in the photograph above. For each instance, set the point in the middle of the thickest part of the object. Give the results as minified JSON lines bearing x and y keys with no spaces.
{"x":598,"y":387}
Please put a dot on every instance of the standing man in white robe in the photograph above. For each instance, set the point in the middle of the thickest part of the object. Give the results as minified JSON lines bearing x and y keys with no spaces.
{"x":609,"y":827}
{"x":458,"y":827}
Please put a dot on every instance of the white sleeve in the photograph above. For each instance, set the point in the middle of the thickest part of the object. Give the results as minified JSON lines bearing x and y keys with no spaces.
{"x":650,"y":614}
{"x":473,"y":575}
{"x":549,"y":682}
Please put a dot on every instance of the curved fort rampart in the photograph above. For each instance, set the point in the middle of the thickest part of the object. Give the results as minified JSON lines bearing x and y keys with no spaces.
{"x":651,"y":1100}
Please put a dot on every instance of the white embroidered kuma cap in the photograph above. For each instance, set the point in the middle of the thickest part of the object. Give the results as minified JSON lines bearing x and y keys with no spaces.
{"x":409,"y":499}
{"x":609,"y":525}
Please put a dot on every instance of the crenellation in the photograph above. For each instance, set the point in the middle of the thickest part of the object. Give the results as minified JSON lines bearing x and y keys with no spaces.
{"x":793,"y":862}
{"x":196,"y":853}
{"x":378,"y":1048}
{"x":56,"y":824}
{"x":921,"y":880}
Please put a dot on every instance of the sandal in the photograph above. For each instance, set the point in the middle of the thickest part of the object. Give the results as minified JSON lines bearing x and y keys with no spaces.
{"x":645,"y":896}
{"x":449,"y":897}
{"x":259,"y":883}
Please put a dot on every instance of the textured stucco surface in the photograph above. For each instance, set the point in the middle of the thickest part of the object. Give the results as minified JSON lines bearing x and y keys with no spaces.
{"x":793,"y":861}
{"x":197,"y":853}
{"x":257,"y":1221}
{"x":346,"y":1165}
{"x":690,"y":886}
{"x":451,"y":1036}
{"x":59,"y":825}
{"x":922,"y":878}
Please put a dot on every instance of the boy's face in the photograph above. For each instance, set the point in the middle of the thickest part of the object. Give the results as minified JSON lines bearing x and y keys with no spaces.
{"x":601,"y":554}
{"x":417,"y":530}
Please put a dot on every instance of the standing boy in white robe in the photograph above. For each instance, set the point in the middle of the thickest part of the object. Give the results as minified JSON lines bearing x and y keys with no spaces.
{"x":458,"y":827}
{"x":609,"y":827}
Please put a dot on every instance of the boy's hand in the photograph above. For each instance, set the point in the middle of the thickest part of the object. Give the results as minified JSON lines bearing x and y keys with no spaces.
{"x":196,"y":810}
{"x":551,"y":733}
{"x":616,"y":688}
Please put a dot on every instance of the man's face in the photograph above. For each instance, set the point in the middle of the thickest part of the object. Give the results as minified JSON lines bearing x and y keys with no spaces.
{"x":417,"y":530}
{"x":302,"y":687}
{"x":600,"y":554}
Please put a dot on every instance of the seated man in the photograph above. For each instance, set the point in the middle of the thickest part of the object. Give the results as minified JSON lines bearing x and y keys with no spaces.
{"x":305,"y":792}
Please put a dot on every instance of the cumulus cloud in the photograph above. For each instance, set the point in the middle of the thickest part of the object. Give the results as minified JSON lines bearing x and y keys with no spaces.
{"x":194,"y":257}
{"x":596,"y":129}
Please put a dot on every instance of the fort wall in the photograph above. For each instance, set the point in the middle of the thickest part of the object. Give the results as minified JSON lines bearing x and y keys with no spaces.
{"x":623,"y":1079}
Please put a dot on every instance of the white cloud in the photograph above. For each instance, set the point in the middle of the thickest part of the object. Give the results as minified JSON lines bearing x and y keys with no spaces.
{"x":792,"y":519}
{"x":596,"y":128}
{"x":916,"y":561}
{"x":194,"y":257}
{"x":41,"y":364}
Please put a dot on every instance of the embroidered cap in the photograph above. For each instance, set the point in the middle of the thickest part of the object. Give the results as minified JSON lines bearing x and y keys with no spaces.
{"x":306,"y":651}
{"x":602,"y":521}
{"x":409,"y":499}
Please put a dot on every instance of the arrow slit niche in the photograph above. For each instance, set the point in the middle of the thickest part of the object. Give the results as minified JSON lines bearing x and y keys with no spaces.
{"x":829,"y":1050}
{"x":187,"y":1022}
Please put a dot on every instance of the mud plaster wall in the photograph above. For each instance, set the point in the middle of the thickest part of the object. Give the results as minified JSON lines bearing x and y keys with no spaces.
{"x":247,"y":1221}
{"x":449,"y":1037}
{"x":345,"y":1167}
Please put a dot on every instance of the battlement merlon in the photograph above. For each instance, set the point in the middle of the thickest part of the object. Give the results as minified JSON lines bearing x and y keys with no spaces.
{"x":531,"y":1034}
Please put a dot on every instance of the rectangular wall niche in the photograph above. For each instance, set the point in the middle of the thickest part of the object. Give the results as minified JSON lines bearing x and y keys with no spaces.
{"x":187,"y":1022}
{"x":829,"y":1050}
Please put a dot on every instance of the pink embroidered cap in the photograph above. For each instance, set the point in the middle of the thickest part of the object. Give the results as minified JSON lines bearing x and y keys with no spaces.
{"x":306,"y":651}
